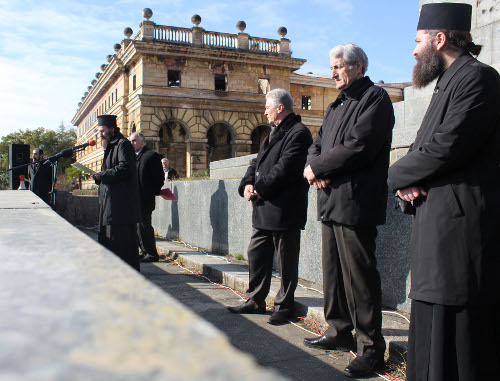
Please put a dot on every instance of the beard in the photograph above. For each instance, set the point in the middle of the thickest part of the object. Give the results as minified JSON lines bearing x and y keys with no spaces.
{"x":105,"y":141}
{"x":429,"y":66}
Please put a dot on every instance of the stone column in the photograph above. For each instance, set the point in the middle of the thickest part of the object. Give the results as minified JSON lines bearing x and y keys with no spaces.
{"x":284,"y":46}
{"x":241,"y":147}
{"x":197,"y":36}
{"x":242,"y":41}
{"x":148,"y":30}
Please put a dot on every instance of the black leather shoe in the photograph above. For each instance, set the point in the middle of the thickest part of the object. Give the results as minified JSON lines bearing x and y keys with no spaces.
{"x":249,"y":307}
{"x":149,"y":258}
{"x":364,"y":365}
{"x":282,"y":316}
{"x":344,"y":343}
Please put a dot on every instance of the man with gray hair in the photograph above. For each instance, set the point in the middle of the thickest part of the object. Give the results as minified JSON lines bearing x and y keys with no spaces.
{"x":150,"y":178}
{"x":347,"y":164}
{"x":274,"y":185}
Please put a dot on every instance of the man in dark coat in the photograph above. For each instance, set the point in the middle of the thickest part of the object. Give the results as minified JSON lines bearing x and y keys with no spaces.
{"x":150,"y":178}
{"x":348,"y":164}
{"x":451,"y":179}
{"x":170,"y":173}
{"x":278,"y":192}
{"x":40,"y":176}
{"x":118,"y":193}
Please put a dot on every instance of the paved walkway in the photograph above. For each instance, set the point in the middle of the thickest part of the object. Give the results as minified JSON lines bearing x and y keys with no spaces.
{"x":277,"y":346}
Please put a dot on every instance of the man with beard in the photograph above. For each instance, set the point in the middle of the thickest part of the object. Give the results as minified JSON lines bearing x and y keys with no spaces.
{"x":150,"y":178}
{"x":40,"y":176}
{"x":118,"y":193}
{"x":450,"y":178}
{"x":347,"y":164}
{"x":274,"y":185}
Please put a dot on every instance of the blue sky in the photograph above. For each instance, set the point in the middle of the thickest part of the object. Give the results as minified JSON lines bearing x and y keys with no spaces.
{"x":51,"y":50}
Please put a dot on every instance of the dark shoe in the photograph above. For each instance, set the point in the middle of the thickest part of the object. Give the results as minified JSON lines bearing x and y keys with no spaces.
{"x":149,"y":258}
{"x":249,"y":307}
{"x":282,"y":316}
{"x":344,"y":343}
{"x":364,"y":365}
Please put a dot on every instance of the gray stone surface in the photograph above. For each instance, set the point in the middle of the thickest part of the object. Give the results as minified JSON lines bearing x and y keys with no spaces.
{"x":81,"y":211}
{"x":71,"y":310}
{"x":211,"y":215}
{"x":230,"y":168}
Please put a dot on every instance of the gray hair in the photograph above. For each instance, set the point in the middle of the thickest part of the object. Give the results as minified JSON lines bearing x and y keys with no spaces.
{"x":141,"y":136}
{"x":280,"y":97}
{"x":350,"y":54}
{"x":165,"y":160}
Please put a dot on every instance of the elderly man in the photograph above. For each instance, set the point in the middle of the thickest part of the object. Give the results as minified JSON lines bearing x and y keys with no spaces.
{"x":170,"y":173}
{"x":274,"y":185}
{"x":40,"y":176}
{"x":150,"y":179}
{"x":118,"y":194}
{"x":450,"y":178}
{"x":347,"y":164}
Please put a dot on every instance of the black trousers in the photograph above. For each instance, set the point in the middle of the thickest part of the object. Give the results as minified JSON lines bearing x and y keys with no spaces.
{"x":121,"y":240}
{"x":453,"y":343}
{"x":146,"y":235}
{"x":351,"y":284}
{"x":263,"y":245}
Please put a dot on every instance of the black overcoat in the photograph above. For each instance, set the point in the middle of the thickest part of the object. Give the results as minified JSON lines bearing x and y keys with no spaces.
{"x":455,"y":238}
{"x":118,"y":191}
{"x":150,"y":177}
{"x":40,"y":176}
{"x":277,"y":176}
{"x":352,"y":150}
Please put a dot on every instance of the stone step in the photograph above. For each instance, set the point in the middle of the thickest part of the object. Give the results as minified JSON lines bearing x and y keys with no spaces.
{"x":308,"y":296}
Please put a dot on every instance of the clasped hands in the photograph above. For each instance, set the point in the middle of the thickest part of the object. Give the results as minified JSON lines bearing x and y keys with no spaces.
{"x":250,"y":193}
{"x":312,"y":180}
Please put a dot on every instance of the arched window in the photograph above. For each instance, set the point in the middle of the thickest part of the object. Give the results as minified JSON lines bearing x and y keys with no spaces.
{"x":258,"y":136}
{"x":173,"y":145}
{"x":219,"y":142}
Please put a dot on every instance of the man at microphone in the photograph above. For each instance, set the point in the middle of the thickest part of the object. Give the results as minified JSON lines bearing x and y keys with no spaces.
{"x":150,"y":178}
{"x":40,"y":176}
{"x":118,"y":193}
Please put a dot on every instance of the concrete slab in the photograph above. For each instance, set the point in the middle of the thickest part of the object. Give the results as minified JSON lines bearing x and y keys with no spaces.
{"x":72,"y":310}
{"x":21,"y":199}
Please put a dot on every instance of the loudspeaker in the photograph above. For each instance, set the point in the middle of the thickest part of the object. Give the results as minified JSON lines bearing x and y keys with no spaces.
{"x":19,"y":154}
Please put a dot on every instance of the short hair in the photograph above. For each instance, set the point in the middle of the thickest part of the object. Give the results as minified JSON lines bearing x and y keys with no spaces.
{"x":350,"y":54}
{"x":165,"y":159}
{"x":40,"y":151}
{"x":140,"y":135}
{"x":280,"y":97}
{"x":459,"y":39}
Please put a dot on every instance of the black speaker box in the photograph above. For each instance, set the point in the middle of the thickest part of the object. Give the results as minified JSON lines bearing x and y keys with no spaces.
{"x":19,"y":154}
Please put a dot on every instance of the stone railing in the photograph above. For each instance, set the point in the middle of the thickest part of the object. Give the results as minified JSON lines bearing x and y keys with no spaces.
{"x":172,"y":34}
{"x":220,"y":40}
{"x":263,"y":45}
{"x":199,"y":37}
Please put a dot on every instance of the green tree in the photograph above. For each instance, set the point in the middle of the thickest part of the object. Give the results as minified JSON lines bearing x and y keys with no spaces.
{"x":50,"y":141}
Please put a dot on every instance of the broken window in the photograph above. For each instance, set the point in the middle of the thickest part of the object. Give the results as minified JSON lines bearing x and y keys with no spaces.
{"x":306,"y":102}
{"x":264,"y":86}
{"x":220,"y":82}
{"x":174,"y":78}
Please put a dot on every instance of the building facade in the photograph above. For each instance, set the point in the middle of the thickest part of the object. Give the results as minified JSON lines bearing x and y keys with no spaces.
{"x":198,"y":96}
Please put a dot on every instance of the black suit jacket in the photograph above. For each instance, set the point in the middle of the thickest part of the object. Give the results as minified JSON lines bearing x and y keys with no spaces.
{"x":150,"y":177}
{"x":352,"y":151}
{"x":277,"y":177}
{"x":455,"y":157}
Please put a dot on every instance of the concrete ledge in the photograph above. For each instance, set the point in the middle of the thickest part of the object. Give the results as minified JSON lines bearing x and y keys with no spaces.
{"x":230,"y":168}
{"x":72,"y":310}
{"x":308,"y":296}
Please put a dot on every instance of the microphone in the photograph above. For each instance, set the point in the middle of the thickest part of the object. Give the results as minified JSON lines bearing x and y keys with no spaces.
{"x":84,"y":145}
{"x":68,"y":152}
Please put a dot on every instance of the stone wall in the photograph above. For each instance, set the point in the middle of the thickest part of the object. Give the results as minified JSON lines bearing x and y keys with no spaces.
{"x":210,"y":214}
